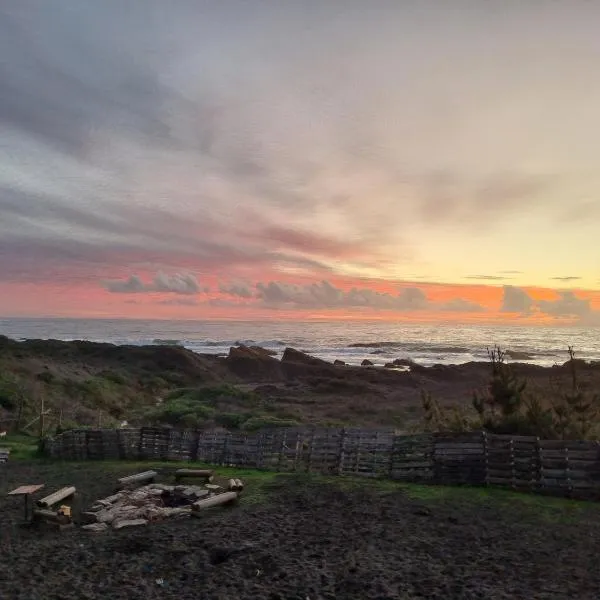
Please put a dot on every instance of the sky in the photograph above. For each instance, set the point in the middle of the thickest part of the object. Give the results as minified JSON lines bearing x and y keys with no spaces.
{"x":419,"y":161}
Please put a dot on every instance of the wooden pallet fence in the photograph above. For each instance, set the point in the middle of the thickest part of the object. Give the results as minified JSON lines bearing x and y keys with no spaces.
{"x":570,"y":468}
{"x":128,"y":441}
{"x":154,"y":443}
{"x":556,"y":467}
{"x":411,"y":458}
{"x":513,"y":461}
{"x":459,"y":459}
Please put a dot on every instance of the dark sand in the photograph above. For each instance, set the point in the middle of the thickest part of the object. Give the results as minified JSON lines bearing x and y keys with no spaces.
{"x":307,"y":541}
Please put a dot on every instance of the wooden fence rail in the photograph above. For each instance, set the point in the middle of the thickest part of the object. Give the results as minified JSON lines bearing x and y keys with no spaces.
{"x":555,"y":467}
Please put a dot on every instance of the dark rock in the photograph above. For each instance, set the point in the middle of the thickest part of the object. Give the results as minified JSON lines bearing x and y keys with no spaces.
{"x":339,"y":363}
{"x":253,"y":364}
{"x":295,"y":356}
{"x":403,"y":362}
{"x":264,"y":351}
{"x":366,"y":363}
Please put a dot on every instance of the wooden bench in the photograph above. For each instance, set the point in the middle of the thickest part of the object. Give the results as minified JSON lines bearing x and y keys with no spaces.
{"x":26,"y":491}
{"x":4,"y":454}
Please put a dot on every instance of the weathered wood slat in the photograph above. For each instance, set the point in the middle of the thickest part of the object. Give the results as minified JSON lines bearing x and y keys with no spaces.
{"x":56,"y":497}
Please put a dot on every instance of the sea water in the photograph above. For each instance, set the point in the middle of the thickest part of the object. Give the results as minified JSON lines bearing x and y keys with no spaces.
{"x":350,"y":341}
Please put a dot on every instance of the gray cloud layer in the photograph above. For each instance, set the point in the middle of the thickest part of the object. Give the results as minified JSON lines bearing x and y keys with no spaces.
{"x":516,"y":300}
{"x":179,"y":283}
{"x":183,"y":134}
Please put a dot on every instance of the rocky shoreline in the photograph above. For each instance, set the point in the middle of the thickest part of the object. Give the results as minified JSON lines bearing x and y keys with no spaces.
{"x":89,"y":382}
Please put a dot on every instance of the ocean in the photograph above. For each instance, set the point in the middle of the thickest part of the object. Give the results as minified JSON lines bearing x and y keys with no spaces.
{"x":353,"y":341}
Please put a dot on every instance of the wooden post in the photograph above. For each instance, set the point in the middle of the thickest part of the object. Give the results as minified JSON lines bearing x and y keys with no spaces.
{"x":298,"y":448}
{"x":568,"y":471}
{"x":512,"y":463}
{"x":282,"y":449}
{"x":195,"y":446}
{"x":391,"y":461}
{"x":538,"y":465}
{"x":340,"y":465}
{"x":310,"y":451}
{"x":484,"y":441}
{"x":42,"y":415}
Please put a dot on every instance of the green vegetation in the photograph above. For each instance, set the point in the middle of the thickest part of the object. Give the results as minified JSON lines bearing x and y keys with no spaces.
{"x":21,"y":446}
{"x":507,"y":406}
{"x":218,"y":405}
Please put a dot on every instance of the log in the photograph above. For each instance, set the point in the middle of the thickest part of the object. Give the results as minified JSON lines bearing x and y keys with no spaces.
{"x":111,"y":499}
{"x":232,"y":485}
{"x":217,"y":500}
{"x":206,"y":474}
{"x":239,"y":485}
{"x":95,"y":527}
{"x":138,"y":478}
{"x":57,"y":496}
{"x":51,"y":516}
{"x":129,"y":523}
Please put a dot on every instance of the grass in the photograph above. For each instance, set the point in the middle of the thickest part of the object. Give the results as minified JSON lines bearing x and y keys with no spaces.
{"x":21,"y":446}
{"x":259,"y":485}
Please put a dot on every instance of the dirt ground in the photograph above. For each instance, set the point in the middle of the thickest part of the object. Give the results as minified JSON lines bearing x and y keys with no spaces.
{"x":306,"y":541}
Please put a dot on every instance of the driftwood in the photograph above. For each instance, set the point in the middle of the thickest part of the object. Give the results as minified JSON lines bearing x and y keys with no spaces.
{"x":95,"y":527}
{"x":206,"y":474}
{"x":51,"y":516}
{"x":217,"y":500}
{"x":129,"y":523}
{"x":57,"y":496}
{"x":138,"y":478}
{"x":235,"y":485}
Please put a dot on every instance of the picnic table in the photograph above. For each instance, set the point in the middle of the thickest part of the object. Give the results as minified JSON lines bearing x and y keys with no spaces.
{"x":26,"y":491}
{"x":4,"y":454}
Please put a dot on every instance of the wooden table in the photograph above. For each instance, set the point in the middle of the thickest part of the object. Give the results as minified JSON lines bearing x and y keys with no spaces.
{"x":26,"y":491}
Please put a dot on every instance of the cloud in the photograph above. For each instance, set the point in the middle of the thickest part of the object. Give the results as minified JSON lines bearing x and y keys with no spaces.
{"x":240,"y":290}
{"x":461,"y":305}
{"x":180,"y":302}
{"x":568,"y":305}
{"x":516,"y":300}
{"x":178,"y":283}
{"x":130,"y":140}
{"x":326,"y":295}
{"x":487,"y":277}
{"x":566,"y":278}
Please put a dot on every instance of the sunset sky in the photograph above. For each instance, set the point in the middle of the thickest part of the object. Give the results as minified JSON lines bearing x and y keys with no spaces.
{"x":426,"y":161}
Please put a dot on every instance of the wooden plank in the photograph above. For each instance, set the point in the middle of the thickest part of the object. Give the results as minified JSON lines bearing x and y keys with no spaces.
{"x":492,"y":437}
{"x":576,"y":445}
{"x":459,"y":445}
{"x":25,"y":490}
{"x":510,"y":482}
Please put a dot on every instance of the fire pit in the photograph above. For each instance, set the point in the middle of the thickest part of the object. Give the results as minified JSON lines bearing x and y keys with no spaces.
{"x":156,"y":502}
